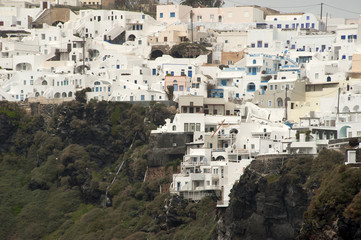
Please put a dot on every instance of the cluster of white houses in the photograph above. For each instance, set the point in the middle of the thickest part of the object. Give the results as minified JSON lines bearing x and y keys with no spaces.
{"x":263,"y":68}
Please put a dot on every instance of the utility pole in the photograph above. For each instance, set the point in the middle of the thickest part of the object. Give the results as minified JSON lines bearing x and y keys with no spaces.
{"x":192,"y":26}
{"x":326,"y":22}
{"x":338,"y":101}
{"x":286,"y":115}
{"x":321,"y":10}
{"x":83,"y":70}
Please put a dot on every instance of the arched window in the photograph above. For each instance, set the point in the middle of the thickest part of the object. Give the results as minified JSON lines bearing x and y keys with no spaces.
{"x":44,"y":83}
{"x":174,"y":128}
{"x":63,"y":94}
{"x":251,"y":87}
{"x":279,"y":102}
{"x":356,"y":108}
{"x":97,"y":83}
{"x":254,"y":61}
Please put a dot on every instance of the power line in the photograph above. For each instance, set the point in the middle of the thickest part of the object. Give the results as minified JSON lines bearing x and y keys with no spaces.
{"x":341,"y":9}
{"x":311,"y":5}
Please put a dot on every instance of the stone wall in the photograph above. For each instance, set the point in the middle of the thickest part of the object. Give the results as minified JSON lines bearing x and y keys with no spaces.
{"x":167,"y":147}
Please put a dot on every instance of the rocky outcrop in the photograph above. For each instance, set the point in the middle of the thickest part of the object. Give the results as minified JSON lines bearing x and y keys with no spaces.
{"x":264,"y":205}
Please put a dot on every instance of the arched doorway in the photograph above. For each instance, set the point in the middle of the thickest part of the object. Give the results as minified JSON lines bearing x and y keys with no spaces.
{"x":343,"y":131}
{"x":131,"y":38}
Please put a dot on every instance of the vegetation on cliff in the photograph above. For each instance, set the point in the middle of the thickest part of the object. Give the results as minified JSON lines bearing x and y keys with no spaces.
{"x":55,"y":172}
{"x":56,"y":168}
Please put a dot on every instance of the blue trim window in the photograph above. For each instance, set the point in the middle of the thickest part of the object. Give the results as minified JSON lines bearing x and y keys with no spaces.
{"x":154,"y":71}
{"x":271,"y":26}
{"x":142,"y":97}
{"x":343,"y":37}
{"x":253,"y":45}
{"x":275,"y":19}
{"x":287,"y":26}
{"x":307,"y":25}
{"x":313,"y":25}
{"x":172,"y":14}
{"x":143,"y":16}
{"x":266,"y":45}
{"x":161,"y":15}
{"x":302,"y":25}
{"x":279,"y":25}
{"x":259,"y":44}
{"x":307,"y":17}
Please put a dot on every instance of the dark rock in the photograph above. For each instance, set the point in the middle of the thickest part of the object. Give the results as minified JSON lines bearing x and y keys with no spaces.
{"x":262,"y":210}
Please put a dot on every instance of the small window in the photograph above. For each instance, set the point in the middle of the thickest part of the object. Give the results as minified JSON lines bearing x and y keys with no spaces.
{"x":172,"y":14}
{"x":160,"y":15}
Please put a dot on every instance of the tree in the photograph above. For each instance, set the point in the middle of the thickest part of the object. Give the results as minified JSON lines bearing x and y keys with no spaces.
{"x":80,"y":96}
{"x":205,"y":3}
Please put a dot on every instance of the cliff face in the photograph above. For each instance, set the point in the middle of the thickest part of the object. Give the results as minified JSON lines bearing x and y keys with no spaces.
{"x":295,"y":198}
{"x":264,"y":206}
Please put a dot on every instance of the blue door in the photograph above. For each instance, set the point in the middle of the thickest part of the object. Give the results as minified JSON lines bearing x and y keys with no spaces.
{"x":254,"y":71}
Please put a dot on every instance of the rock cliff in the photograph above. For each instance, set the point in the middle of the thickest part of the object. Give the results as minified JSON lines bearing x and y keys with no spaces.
{"x":264,"y":206}
{"x":294,"y":198}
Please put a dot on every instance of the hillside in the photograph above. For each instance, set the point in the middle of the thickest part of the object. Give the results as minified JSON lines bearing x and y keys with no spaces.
{"x":56,"y":166}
